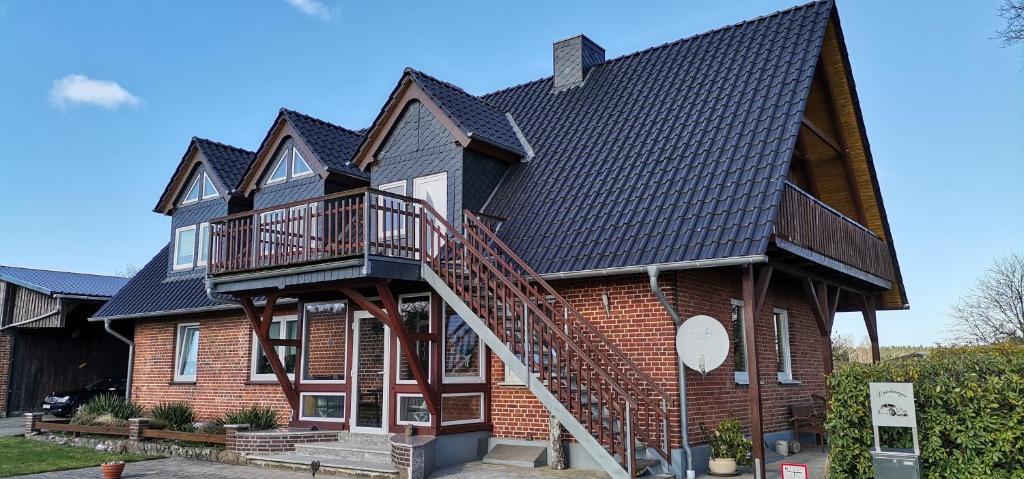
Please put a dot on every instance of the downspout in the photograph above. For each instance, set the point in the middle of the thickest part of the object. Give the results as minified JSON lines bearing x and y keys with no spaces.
{"x":684,"y":420}
{"x":131,"y":356}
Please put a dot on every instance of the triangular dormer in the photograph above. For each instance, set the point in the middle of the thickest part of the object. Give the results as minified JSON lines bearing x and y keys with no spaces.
{"x":208,"y":170}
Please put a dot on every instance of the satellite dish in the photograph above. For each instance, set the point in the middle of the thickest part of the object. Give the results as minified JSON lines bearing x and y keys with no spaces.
{"x":702,"y":343}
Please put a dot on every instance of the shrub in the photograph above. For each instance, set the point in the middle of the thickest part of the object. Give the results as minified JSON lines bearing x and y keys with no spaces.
{"x":728,"y":442}
{"x":174,"y":416}
{"x":970,"y":405}
{"x":259,"y":418}
{"x":107,"y":410}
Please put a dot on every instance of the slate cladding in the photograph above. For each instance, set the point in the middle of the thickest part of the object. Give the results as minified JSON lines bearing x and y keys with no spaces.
{"x":63,"y":282}
{"x":334,"y":145}
{"x":675,"y":153}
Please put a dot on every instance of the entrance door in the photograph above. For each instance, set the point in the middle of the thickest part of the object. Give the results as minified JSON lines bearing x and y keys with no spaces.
{"x":370,"y":381}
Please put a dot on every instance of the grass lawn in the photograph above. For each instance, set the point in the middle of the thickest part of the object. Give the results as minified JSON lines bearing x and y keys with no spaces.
{"x":25,"y":456}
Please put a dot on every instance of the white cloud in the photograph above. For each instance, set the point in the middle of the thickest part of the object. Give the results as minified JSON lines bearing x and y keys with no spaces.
{"x":80,"y":89}
{"x":311,"y":7}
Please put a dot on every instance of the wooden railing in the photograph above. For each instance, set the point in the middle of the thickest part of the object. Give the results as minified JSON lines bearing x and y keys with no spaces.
{"x":343,"y":225}
{"x":808,"y":222}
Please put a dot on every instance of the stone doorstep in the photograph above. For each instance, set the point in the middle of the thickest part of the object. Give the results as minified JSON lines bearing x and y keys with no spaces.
{"x":341,"y":450}
{"x":328,"y":466}
{"x":517,"y":455}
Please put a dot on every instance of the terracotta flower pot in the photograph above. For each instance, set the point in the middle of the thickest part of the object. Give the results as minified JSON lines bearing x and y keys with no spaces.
{"x":113,"y":470}
{"x":722,"y":466}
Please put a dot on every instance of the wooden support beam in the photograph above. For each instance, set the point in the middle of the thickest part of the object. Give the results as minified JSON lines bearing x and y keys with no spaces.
{"x":261,"y":326}
{"x":871,"y":322}
{"x":806,"y":162}
{"x":764,"y":279}
{"x":753,"y":367}
{"x":390,"y":316}
{"x":824,"y":312}
{"x":822,"y":135}
{"x":851,"y":178}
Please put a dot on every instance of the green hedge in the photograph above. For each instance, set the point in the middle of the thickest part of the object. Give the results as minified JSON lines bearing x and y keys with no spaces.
{"x":970,"y":413}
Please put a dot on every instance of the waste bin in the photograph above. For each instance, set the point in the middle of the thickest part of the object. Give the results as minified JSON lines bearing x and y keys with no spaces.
{"x":896,"y":465}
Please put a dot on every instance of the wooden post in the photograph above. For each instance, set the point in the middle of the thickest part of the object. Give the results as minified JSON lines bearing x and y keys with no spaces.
{"x":262,"y":328}
{"x":871,"y":322}
{"x":824,"y":306}
{"x":753,"y":369}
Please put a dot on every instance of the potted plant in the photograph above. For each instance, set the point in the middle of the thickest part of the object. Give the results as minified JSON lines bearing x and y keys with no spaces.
{"x":728,"y":447}
{"x":112,"y":469}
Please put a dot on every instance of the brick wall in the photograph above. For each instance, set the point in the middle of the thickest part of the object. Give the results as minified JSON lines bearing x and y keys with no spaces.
{"x":222,"y":376}
{"x":639,"y":326}
{"x":328,"y":333}
{"x":6,"y":350}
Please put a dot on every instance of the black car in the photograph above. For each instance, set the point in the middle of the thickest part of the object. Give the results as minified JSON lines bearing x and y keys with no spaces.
{"x":65,"y":403}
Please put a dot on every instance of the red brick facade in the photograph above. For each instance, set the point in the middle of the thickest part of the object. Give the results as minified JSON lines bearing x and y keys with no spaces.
{"x":6,"y":358}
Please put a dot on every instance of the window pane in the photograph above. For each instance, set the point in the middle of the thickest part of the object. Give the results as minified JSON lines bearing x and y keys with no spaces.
{"x":185,"y":247}
{"x":781,"y":342}
{"x":461,"y":408}
{"x":462,"y":347}
{"x":204,"y":243}
{"x":281,"y":169}
{"x":287,"y":353}
{"x":413,"y":409}
{"x":416,"y":316}
{"x":193,"y":192}
{"x":739,"y":352}
{"x":323,"y":406}
{"x":209,"y":190}
{"x":188,"y":350}
{"x":299,"y":165}
{"x":326,"y":339}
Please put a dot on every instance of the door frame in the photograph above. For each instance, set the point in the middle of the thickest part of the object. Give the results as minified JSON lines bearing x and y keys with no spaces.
{"x":385,"y":420}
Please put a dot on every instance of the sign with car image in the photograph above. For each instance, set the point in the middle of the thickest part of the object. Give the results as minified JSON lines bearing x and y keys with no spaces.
{"x":892,"y":405}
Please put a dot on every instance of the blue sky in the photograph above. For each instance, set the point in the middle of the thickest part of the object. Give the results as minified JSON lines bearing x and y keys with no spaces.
{"x":99,"y":100}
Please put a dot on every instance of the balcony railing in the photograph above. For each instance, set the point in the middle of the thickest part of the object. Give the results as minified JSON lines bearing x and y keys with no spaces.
{"x":345,"y":225}
{"x":807,"y":222}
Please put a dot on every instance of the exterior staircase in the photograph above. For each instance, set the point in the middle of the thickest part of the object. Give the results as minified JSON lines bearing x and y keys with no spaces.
{"x":613,"y":409}
{"x":352,"y":455}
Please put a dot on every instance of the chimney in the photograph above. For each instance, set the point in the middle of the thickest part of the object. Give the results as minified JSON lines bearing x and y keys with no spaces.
{"x":573,"y":59}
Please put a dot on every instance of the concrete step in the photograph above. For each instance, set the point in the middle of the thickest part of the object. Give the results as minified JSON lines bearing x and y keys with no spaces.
{"x":343,"y":450}
{"x":328,"y":466}
{"x":517,"y":455}
{"x":349,"y":437}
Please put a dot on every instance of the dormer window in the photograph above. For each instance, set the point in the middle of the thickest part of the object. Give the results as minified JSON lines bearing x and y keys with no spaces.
{"x":202,"y":188}
{"x":290,"y":164}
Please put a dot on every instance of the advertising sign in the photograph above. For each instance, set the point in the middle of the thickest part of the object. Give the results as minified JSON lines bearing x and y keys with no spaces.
{"x":892,"y":405}
{"x":795,"y":471}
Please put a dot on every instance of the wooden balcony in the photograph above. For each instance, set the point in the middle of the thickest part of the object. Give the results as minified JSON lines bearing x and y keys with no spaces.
{"x":343,"y":234}
{"x":810,"y":228}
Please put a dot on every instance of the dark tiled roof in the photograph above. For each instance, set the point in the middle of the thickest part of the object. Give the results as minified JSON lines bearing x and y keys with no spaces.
{"x":151,"y":291}
{"x":227,"y":162}
{"x":334,"y":145}
{"x":476,"y":118}
{"x":62,"y":282}
{"x":675,"y":153}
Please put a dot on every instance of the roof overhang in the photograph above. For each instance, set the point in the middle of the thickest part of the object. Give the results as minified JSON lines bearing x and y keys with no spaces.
{"x":179,"y":181}
{"x":279,"y":130}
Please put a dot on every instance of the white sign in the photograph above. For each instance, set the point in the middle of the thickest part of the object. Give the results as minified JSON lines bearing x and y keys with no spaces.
{"x":702,"y":343}
{"x":892,"y":405}
{"x":795,"y":471}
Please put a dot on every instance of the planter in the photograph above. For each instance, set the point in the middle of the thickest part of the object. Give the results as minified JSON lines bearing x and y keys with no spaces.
{"x":112,"y":470}
{"x":722,"y":466}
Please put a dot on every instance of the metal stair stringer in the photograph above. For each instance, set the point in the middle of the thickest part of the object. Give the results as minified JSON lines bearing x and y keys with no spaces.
{"x":605,"y":459}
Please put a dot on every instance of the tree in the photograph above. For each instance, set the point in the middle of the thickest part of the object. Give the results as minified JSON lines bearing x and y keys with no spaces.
{"x":129,"y":271}
{"x":842,"y":349}
{"x":993,"y":310}
{"x":1013,"y":12}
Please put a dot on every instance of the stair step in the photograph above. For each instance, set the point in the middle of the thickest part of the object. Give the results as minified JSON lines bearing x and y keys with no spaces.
{"x":351,"y":451}
{"x":517,"y":455}
{"x":328,"y":466}
{"x":348,"y":437}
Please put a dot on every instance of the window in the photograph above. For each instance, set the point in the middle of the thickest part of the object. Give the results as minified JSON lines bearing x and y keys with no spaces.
{"x":463,"y":354}
{"x":280,"y":172}
{"x":781,"y":319}
{"x":462,"y":408}
{"x":323,"y":407}
{"x":391,"y":224}
{"x":184,"y":247}
{"x":284,"y":327}
{"x":209,"y":191}
{"x":192,"y":195}
{"x":299,"y":165}
{"x":323,"y":356}
{"x":739,"y":344}
{"x":412,"y":409}
{"x":186,"y":352}
{"x":204,"y":244}
{"x":415,"y":310}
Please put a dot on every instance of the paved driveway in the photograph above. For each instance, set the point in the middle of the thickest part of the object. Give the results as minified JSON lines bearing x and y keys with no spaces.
{"x":177,"y":468}
{"x":15,"y":425}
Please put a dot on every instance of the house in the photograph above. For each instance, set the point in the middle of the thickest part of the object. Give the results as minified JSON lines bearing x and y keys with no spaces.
{"x":47,"y":343}
{"x":471,"y":266}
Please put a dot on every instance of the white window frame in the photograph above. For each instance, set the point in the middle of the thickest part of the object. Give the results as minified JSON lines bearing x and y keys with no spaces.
{"x":381,"y":231}
{"x":203,"y":194}
{"x":199,"y":189}
{"x":256,"y":349}
{"x":177,"y":247}
{"x":301,"y":360}
{"x":399,"y":357}
{"x":204,"y":246}
{"x":741,"y":377}
{"x":417,"y":184}
{"x":295,"y":152}
{"x":270,"y":177}
{"x":479,"y":419}
{"x":480,"y":377}
{"x":344,"y":407}
{"x":398,"y":411}
{"x":787,"y":360}
{"x":179,"y":339}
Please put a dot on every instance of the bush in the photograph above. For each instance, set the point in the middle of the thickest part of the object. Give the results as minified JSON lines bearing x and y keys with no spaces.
{"x":174,"y":416}
{"x":970,"y":408}
{"x":258,"y":418}
{"x":728,"y":442}
{"x":107,"y":410}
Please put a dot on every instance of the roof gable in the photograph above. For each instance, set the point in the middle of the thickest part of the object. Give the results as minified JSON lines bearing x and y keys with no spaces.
{"x":63,"y":282}
{"x":223,"y":163}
